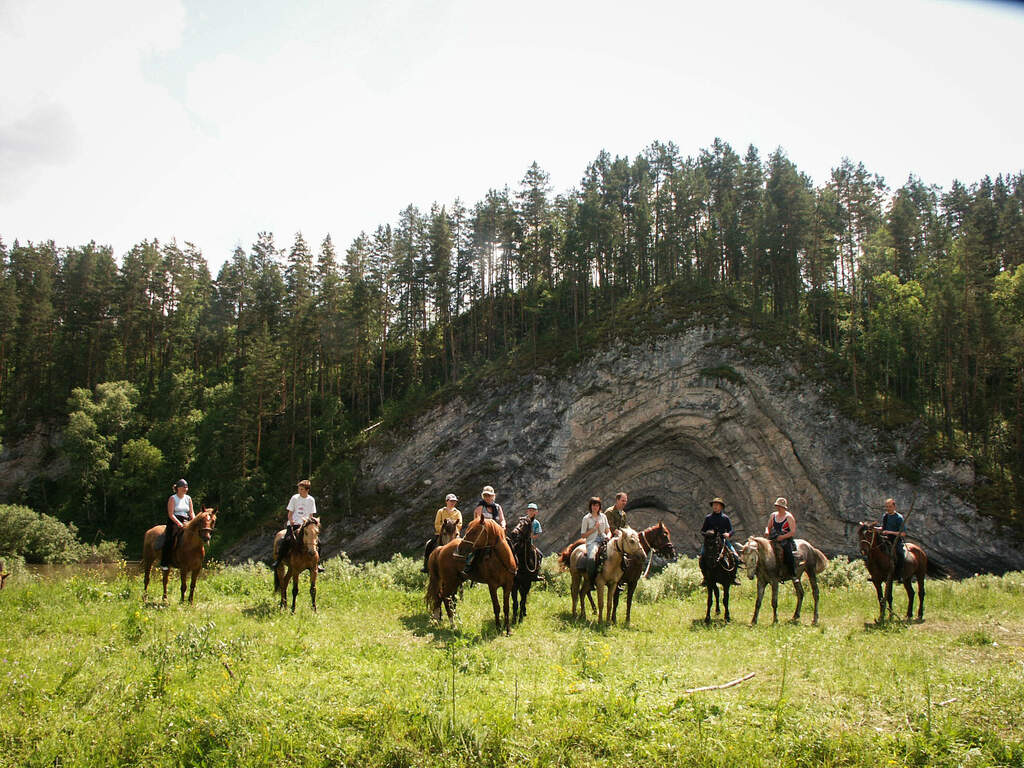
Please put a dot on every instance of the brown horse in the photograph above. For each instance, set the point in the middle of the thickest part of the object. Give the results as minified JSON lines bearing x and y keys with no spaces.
{"x":493,"y":565}
{"x":623,"y":545}
{"x":653,"y":539}
{"x":3,"y":575}
{"x":879,"y":557}
{"x":188,"y":555}
{"x":759,"y":558}
{"x":303,"y":555}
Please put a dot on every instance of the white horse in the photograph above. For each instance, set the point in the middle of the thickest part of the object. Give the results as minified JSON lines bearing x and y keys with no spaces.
{"x":758,"y":557}
{"x":625,"y":543}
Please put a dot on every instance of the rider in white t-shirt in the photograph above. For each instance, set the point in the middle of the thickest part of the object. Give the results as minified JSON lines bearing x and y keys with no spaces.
{"x":300,"y":508}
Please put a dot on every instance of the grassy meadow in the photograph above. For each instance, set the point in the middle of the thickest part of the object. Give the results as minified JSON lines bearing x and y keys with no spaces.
{"x":95,"y":676}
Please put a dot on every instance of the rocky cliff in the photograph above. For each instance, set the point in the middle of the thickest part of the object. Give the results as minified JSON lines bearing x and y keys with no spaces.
{"x":673,"y":422}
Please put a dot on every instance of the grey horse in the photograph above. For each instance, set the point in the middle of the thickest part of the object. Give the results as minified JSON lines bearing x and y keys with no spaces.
{"x":759,"y":559}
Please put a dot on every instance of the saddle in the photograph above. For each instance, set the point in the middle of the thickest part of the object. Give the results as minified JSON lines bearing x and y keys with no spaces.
{"x":785,"y":572}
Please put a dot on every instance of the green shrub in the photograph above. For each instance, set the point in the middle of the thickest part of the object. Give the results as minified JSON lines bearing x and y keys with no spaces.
{"x":842,"y":572}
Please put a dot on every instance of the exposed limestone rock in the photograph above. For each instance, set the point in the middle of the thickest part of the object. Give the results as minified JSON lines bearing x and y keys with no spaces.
{"x":674,"y":423}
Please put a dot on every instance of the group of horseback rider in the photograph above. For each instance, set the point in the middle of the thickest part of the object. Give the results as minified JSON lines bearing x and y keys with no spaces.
{"x":486,"y":508}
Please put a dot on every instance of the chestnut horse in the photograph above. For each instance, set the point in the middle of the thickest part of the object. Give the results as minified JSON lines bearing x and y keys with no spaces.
{"x":879,"y":557}
{"x":653,"y":539}
{"x":303,"y":555}
{"x":493,"y":565}
{"x":758,"y":556}
{"x":187,"y":556}
{"x":623,"y":545}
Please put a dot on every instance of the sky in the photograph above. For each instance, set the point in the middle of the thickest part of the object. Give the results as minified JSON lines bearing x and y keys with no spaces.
{"x":208,"y":122}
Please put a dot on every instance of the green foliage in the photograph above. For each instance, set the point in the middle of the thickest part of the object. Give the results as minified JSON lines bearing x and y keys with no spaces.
{"x":40,"y":538}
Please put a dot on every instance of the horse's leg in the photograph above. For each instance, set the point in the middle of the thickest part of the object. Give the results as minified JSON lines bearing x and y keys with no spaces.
{"x":775,"y":602}
{"x":888,"y":595}
{"x":146,"y":566}
{"x":515,"y":601}
{"x":166,"y":574}
{"x":707,"y":616}
{"x":295,"y":588}
{"x":920,"y":597}
{"x":615,"y":604}
{"x":504,"y":596}
{"x":798,"y":587}
{"x":312,"y":586}
{"x":575,"y":590}
{"x":718,"y":606}
{"x":494,"y":603}
{"x":909,"y":586}
{"x":184,"y":579}
{"x":814,"y":592}
{"x":283,"y":584}
{"x":725,"y":597}
{"x":600,"y":602}
{"x":757,"y":602}
{"x":192,"y":586}
{"x":881,"y":600}
{"x":630,"y":588}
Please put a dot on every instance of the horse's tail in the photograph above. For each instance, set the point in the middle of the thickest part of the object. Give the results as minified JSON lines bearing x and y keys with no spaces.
{"x":820,"y":561}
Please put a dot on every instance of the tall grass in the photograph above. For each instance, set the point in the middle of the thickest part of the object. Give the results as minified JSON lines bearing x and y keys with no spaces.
{"x":95,"y":676}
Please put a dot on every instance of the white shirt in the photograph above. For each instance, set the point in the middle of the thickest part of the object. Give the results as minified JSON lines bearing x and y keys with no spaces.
{"x":182,"y":506}
{"x":301,"y":508}
{"x":592,"y":526}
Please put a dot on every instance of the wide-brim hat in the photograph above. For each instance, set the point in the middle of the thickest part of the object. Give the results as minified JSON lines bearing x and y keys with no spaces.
{"x":718,"y":500}
{"x":781,"y":502}
{"x":488,"y":491}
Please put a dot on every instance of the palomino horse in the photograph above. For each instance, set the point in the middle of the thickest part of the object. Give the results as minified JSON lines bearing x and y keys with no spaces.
{"x":493,"y":565}
{"x":624,"y":544}
{"x":879,"y":557}
{"x":527,"y":556}
{"x":718,"y":566}
{"x":187,"y":556}
{"x":653,"y":539}
{"x":758,"y":557}
{"x":303,"y":555}
{"x":3,"y":575}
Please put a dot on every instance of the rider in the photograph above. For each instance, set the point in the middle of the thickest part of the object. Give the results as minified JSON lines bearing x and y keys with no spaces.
{"x":447,"y":512}
{"x":180,"y":511}
{"x":894,"y":528}
{"x":782,"y":528}
{"x":486,"y":509}
{"x":300,"y":508}
{"x":596,"y":529}
{"x":531,"y":514}
{"x":616,"y":513}
{"x":720,"y":523}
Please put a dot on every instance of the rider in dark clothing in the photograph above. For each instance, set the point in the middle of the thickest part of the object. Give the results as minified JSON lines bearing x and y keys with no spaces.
{"x":720,"y":523}
{"x":894,"y":529}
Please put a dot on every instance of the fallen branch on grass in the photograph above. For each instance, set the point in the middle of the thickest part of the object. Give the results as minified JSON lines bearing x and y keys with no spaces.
{"x":947,"y":701}
{"x":730,"y":684}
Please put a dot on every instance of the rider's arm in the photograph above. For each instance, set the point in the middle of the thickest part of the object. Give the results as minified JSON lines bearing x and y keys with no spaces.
{"x":458,"y":521}
{"x":191,"y":509}
{"x":501,"y":515}
{"x":170,"y":511}
{"x":478,"y":513}
{"x":437,"y":522}
{"x":291,"y":509}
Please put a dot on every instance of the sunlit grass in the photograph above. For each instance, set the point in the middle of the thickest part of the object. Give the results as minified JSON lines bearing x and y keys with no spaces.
{"x":96,"y":676}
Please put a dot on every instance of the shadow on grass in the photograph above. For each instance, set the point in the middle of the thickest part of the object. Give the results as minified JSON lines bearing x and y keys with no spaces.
{"x":422,"y":625}
{"x":887,"y":625}
{"x":264,"y":610}
{"x":699,"y":625}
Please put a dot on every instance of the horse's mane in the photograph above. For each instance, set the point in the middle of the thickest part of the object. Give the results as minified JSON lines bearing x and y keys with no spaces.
{"x":765,"y":552}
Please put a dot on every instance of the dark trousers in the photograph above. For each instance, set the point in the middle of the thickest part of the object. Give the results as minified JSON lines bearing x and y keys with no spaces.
{"x":171,"y":536}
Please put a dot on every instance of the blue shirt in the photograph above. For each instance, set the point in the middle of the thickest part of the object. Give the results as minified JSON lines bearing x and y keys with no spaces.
{"x":893,"y":522}
{"x":536,"y":527}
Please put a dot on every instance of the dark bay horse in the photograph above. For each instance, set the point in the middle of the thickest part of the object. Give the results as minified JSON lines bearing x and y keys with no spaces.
{"x":879,"y":557}
{"x":302,"y":555}
{"x":718,"y":566}
{"x":759,"y":558}
{"x":188,"y":555}
{"x":653,"y":539}
{"x":528,"y":558}
{"x":493,"y":565}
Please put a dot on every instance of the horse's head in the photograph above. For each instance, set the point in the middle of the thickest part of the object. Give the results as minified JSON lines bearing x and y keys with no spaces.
{"x":629,"y":543}
{"x":448,"y":531}
{"x":750,"y":554}
{"x":659,"y":539}
{"x":207,"y":521}
{"x":867,"y":538}
{"x":309,"y":533}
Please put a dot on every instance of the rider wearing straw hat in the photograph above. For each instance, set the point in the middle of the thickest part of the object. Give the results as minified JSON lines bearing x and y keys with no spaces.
{"x":781,"y":529}
{"x":445,"y":513}
{"x":486,"y":509}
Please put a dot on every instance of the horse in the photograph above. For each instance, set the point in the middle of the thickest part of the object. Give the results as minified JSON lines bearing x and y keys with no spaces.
{"x":653,"y":539}
{"x":303,"y":555}
{"x":187,"y":556}
{"x":3,"y":575}
{"x":624,"y":544}
{"x":759,"y":558}
{"x":879,"y":557}
{"x":528,"y":559}
{"x":718,"y":567}
{"x":493,"y":565}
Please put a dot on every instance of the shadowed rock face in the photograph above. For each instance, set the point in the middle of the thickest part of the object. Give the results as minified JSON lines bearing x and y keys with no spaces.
{"x":647,"y":421}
